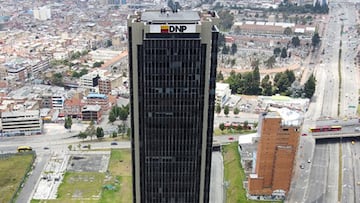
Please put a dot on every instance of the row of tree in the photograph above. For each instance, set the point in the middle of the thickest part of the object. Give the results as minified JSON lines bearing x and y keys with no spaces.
{"x":249,"y":83}
{"x":92,"y":131}
{"x":287,"y":7}
{"x":229,"y":50}
{"x":119,"y":112}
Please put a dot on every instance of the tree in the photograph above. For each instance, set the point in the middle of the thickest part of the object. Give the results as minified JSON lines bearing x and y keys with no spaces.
{"x":315,"y":40}
{"x":90,"y":130}
{"x":123,"y":113}
{"x":225,"y":50}
{"x":295,"y":41}
{"x":70,"y":147}
{"x":239,"y":127}
{"x":82,"y":135}
{"x":57,"y":79}
{"x":266,"y":86}
{"x":255,"y":63}
{"x":114,"y":134}
{"x":226,"y":110}
{"x":112,"y":117}
{"x":233,"y":49}
{"x":232,"y":62}
{"x":222,"y":126}
{"x":219,"y":76}
{"x":122,"y":129}
{"x":218,"y":108}
{"x":226,"y":19}
{"x":236,"y":111}
{"x":290,"y":75}
{"x":255,"y":81}
{"x":309,"y":87}
{"x":283,"y":52}
{"x":108,"y":43}
{"x":68,"y":123}
{"x":287,"y":31}
{"x":98,"y":64}
{"x":270,"y":62}
{"x":99,"y":132}
{"x":246,"y":125}
{"x":237,"y":30}
{"x":277,"y":51}
{"x":221,"y":40}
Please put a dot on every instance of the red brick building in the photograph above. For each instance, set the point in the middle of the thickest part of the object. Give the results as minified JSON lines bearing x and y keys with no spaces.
{"x":72,"y":107}
{"x":275,"y":155}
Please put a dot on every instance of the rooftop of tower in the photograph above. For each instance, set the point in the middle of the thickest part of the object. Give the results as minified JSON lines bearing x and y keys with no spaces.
{"x":166,"y":16}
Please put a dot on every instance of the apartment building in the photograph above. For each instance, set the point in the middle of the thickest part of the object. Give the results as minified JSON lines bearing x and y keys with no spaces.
{"x":21,"y":123}
{"x":108,"y":83}
{"x":275,"y":155}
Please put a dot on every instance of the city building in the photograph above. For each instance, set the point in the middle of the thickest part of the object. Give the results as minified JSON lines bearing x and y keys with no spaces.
{"x":90,"y":81}
{"x":172,"y":69}
{"x":98,"y":99}
{"x":108,"y":83}
{"x":17,"y":73}
{"x":42,"y":13}
{"x":72,"y":106}
{"x":222,"y":93}
{"x":26,"y":122}
{"x":91,"y":113}
{"x":275,"y":155}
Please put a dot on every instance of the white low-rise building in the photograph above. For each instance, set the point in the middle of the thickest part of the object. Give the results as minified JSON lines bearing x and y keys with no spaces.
{"x":21,"y":123}
{"x":222,"y":93}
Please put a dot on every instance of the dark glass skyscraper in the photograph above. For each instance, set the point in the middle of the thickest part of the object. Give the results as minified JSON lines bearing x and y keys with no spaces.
{"x":172,"y":60}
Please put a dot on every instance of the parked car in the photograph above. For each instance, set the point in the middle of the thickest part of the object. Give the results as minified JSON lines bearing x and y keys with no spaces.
{"x":114,"y":143}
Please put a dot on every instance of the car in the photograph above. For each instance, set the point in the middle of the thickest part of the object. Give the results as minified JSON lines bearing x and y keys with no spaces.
{"x":357,"y":129}
{"x":304,"y":134}
{"x":85,"y":146}
{"x":353,"y":142}
{"x":231,"y":138}
{"x":302,"y":166}
{"x":46,"y":148}
{"x":309,"y":161}
{"x":114,"y":143}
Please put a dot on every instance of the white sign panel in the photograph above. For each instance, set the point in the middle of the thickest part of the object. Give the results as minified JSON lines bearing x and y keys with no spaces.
{"x":172,"y":28}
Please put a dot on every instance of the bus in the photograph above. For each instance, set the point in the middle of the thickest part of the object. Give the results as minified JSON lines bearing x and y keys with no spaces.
{"x":24,"y":149}
{"x":325,"y":129}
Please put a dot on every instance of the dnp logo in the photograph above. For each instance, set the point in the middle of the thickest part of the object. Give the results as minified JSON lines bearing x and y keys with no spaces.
{"x":172,"y":28}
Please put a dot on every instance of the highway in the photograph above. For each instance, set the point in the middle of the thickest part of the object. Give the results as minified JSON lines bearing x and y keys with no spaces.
{"x":334,"y":168}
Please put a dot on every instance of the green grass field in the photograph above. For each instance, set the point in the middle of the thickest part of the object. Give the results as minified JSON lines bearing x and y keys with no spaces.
{"x":217,"y":131}
{"x":78,"y":187}
{"x":234,"y":175}
{"x":12,"y":170}
{"x":120,"y":171}
{"x":81,"y":186}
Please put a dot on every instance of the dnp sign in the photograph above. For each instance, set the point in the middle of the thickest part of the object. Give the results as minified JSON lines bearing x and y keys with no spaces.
{"x":184,"y":28}
{"x":173,"y":28}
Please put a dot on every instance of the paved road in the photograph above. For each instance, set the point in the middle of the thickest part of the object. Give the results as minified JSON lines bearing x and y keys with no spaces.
{"x":323,"y":179}
{"x":348,"y":172}
{"x":217,"y":178}
{"x":28,"y":189}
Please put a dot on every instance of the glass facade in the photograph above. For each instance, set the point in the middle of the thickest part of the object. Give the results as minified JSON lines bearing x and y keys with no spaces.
{"x":173,"y":115}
